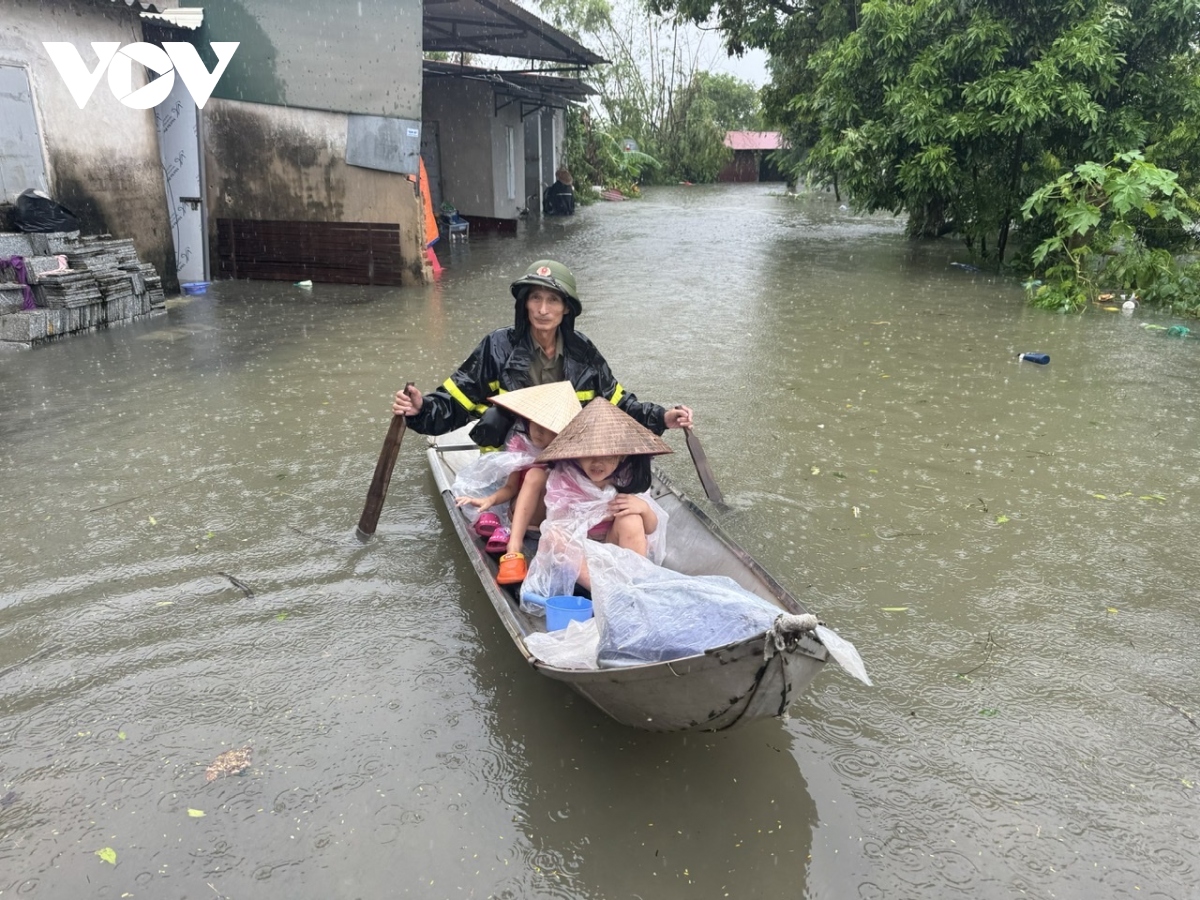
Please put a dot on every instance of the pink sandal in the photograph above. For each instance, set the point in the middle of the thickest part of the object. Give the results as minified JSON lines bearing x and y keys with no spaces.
{"x":486,"y":524}
{"x":498,"y":542}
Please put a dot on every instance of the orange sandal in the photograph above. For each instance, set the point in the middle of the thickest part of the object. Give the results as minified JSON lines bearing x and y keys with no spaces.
{"x":512,"y":569}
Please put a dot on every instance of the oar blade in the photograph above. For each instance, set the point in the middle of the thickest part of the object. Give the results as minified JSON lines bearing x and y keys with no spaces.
{"x":380,"y":481}
{"x":707,"y":480}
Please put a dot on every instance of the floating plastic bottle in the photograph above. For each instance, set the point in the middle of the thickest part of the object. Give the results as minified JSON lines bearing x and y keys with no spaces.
{"x":1040,"y":358}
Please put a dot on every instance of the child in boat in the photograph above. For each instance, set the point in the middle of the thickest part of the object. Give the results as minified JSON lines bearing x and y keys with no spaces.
{"x":597,"y":490}
{"x":544,"y":409}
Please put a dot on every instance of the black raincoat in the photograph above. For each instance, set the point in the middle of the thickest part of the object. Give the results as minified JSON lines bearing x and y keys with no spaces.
{"x":501,"y":362}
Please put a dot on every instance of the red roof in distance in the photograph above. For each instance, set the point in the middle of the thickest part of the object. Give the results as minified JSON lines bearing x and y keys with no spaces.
{"x":753,"y":140}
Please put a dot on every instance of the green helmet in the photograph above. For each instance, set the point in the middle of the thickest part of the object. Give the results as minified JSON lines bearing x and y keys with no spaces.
{"x":551,"y":274}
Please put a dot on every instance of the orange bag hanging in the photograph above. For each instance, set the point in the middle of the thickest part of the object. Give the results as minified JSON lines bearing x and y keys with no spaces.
{"x":431,"y":223}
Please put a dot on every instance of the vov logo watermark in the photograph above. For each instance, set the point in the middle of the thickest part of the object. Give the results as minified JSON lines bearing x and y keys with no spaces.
{"x":164,"y":61}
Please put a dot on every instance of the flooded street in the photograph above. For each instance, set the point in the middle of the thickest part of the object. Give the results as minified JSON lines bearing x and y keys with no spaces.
{"x":1009,"y":546}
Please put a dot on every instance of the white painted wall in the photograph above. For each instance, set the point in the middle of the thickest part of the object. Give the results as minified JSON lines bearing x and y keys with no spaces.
{"x":560,"y":138}
{"x":533,"y":163}
{"x":508,"y":139}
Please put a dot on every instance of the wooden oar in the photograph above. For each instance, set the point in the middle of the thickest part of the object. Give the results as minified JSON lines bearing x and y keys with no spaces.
{"x":382,"y":477}
{"x":702,"y":467}
{"x":707,"y":480}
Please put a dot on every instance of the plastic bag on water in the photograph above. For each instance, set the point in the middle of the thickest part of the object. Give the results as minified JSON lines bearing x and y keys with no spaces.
{"x":843,"y":653}
{"x":573,"y":647}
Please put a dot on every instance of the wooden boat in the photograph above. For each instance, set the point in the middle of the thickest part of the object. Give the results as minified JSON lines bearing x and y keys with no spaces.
{"x":721,"y":688}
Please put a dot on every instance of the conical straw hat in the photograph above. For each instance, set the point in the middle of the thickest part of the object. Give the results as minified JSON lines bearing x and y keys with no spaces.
{"x":550,"y":405}
{"x":603,"y":430}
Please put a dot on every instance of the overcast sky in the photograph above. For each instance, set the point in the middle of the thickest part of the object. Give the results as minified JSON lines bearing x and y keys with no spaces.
{"x":752,"y":67}
{"x":710,"y":52}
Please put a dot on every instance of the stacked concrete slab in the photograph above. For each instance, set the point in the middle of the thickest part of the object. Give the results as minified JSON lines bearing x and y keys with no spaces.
{"x":102,"y":283}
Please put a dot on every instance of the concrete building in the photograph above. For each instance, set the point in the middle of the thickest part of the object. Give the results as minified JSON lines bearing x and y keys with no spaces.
{"x":494,"y":136}
{"x":101,"y":161}
{"x":310,"y":139}
{"x":303,"y":162}
{"x":493,"y":139}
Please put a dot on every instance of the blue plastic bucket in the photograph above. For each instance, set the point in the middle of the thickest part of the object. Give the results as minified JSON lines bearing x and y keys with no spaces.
{"x":194,"y":287}
{"x":561,"y":610}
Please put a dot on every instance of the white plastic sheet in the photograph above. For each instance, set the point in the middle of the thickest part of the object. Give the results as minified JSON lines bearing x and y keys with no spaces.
{"x":573,"y":647}
{"x":573,"y":505}
{"x":488,"y":474}
{"x":843,"y":653}
{"x":651,"y":614}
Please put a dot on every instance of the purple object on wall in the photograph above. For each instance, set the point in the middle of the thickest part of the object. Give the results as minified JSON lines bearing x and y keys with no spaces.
{"x":17,"y":264}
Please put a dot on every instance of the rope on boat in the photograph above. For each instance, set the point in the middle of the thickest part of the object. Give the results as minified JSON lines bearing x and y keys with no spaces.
{"x":787,"y":631}
{"x":785,"y":634}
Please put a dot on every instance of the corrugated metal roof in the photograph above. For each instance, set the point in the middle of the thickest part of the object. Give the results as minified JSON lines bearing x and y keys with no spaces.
{"x":499,"y":28}
{"x":525,"y":85}
{"x":753,"y":140}
{"x":143,"y":5}
{"x":190,"y":18}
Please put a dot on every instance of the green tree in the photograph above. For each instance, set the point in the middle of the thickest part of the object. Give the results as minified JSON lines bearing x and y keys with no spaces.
{"x":955,"y":111}
{"x":736,"y":105}
{"x":1101,"y":216}
{"x":692,"y":140}
{"x":652,"y":91}
{"x":598,"y":157}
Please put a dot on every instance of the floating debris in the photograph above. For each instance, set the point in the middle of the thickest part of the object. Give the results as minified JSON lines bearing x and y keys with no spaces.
{"x":239,"y":584}
{"x":231,"y":762}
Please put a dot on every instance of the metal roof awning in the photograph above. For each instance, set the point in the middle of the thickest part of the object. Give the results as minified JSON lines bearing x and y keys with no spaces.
{"x":531,"y":90}
{"x":499,"y":28}
{"x":143,"y":5}
{"x":754,"y":140}
{"x":190,"y":18}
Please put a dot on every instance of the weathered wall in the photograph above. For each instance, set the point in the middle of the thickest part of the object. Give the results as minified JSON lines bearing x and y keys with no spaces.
{"x":275,"y":162}
{"x":102,"y":160}
{"x":463,"y":111}
{"x":359,"y":56}
{"x":473,"y":147}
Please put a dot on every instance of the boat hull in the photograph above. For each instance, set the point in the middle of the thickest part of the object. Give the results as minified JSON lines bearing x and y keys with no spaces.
{"x":722,"y":688}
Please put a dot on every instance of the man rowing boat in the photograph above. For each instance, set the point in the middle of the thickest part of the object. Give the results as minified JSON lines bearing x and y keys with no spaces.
{"x":541,"y":347}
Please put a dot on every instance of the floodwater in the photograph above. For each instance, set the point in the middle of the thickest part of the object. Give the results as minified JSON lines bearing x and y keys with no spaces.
{"x":1009,"y":546}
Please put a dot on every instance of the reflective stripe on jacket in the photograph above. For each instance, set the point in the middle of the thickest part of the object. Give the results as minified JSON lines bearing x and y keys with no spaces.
{"x":501,"y":363}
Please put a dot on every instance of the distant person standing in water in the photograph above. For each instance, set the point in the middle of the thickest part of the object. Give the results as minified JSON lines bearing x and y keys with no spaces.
{"x":559,"y":199}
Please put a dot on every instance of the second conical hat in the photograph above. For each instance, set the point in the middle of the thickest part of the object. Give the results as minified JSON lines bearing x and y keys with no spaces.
{"x":603,"y":430}
{"x":550,"y":405}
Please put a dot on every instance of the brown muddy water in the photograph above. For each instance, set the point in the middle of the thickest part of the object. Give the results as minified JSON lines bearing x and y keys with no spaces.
{"x":1011,"y":547}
